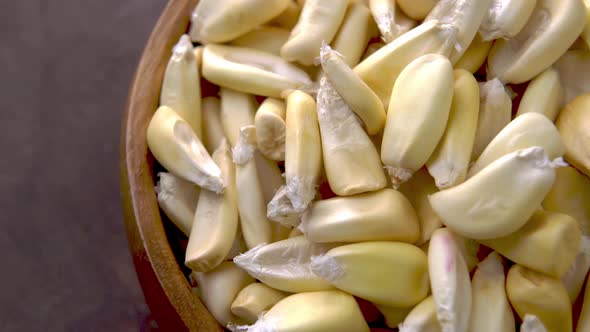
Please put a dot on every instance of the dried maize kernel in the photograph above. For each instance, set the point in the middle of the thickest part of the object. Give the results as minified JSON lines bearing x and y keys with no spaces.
{"x":570,"y":194}
{"x":500,"y":198}
{"x":417,"y":9}
{"x":327,"y":311}
{"x":256,"y":228}
{"x":491,"y":311}
{"x":475,"y":55}
{"x":573,"y":123}
{"x":361,"y":99}
{"x":417,"y":119}
{"x":212,"y":127}
{"x":547,"y":243}
{"x":384,"y":215}
{"x":303,"y":149}
{"x":211,"y":25}
{"x":351,"y":161}
{"x":544,"y":94}
{"x":254,"y":300}
{"x":449,"y":280}
{"x":319,"y":21}
{"x":251,"y":71}
{"x":178,"y":199}
{"x":355,"y":32}
{"x":422,"y":318}
{"x":552,"y":27}
{"x":416,"y":190}
{"x":505,"y":18}
{"x":181,"y":87}
{"x":449,"y":162}
{"x":574,"y":72}
{"x":285,"y":265}
{"x":237,"y":111}
{"x":381,"y":69}
{"x":175,"y":145}
{"x":573,"y":279}
{"x":219,"y":287}
{"x":215,"y":221}
{"x":270,"y":128}
{"x":391,"y":21}
{"x":402,"y":278}
{"x":265,"y":38}
{"x":531,"y":129}
{"x":495,"y":112}
{"x":529,"y":293}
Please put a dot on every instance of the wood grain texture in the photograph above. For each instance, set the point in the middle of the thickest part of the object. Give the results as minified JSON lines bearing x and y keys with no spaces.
{"x":165,"y":287}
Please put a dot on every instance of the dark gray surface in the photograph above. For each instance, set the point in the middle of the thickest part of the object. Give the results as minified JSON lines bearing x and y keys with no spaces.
{"x":66,"y":66}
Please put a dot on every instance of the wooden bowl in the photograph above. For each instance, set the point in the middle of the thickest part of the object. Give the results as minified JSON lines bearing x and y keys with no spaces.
{"x":165,"y":286}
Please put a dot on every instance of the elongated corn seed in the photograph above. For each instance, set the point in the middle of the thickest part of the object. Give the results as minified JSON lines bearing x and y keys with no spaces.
{"x":254,"y":300}
{"x":393,"y":315}
{"x":475,"y":55}
{"x":303,"y":149}
{"x":211,"y":25}
{"x":285,"y":265}
{"x":500,"y":198}
{"x":570,"y":194}
{"x":531,"y":129}
{"x":422,"y":318}
{"x":361,"y":99}
{"x":402,"y":279}
{"x":215,"y":220}
{"x":178,"y":199}
{"x":212,"y":126}
{"x":491,"y":310}
{"x":350,"y":159}
{"x":270,"y":173}
{"x":531,"y":323}
{"x":391,"y":21}
{"x":468,"y":249}
{"x":449,"y":280}
{"x":551,"y":29}
{"x":495,"y":112}
{"x":327,"y":311}
{"x":416,"y":121}
{"x":529,"y":293}
{"x":251,"y":205}
{"x":464,"y":17}
{"x":584,"y":321}
{"x":251,"y":71}
{"x":574,"y":72}
{"x":417,"y":9}
{"x":573,"y":123}
{"x":449,"y":162}
{"x":219,"y":288}
{"x":547,"y":243}
{"x":174,"y":144}
{"x":384,"y":215}
{"x":289,"y":17}
{"x":381,"y":69}
{"x":355,"y":32}
{"x":270,"y":128}
{"x":319,"y":22}
{"x":265,"y":38}
{"x":505,"y":18}
{"x":237,"y":111}
{"x":544,"y":95}
{"x":181,"y":87}
{"x":416,"y":190}
{"x":573,"y":279}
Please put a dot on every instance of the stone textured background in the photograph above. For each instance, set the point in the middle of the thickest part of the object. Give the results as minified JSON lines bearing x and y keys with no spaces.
{"x":66,"y":66}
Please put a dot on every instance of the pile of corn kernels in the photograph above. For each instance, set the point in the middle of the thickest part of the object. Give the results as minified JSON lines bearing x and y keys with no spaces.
{"x":419,"y":165}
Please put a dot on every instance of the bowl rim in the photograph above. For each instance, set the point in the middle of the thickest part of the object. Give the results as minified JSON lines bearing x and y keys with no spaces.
{"x":166,"y":290}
